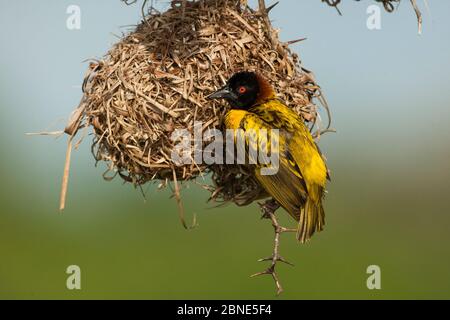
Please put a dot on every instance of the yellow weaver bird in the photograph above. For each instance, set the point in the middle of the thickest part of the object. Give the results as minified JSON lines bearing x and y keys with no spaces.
{"x":299,"y":184}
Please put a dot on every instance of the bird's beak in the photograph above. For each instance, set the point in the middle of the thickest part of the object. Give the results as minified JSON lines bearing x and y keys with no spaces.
{"x":224,"y":93}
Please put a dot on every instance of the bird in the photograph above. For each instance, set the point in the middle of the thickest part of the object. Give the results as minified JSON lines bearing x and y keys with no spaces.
{"x":299,"y":184}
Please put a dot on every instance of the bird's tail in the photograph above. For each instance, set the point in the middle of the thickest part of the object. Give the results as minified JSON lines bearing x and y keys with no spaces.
{"x":312,"y":219}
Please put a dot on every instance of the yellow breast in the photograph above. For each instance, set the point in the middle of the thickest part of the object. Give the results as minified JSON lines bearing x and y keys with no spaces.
{"x":233,"y":119}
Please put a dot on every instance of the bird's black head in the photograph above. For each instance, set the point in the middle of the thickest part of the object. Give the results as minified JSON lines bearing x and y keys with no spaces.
{"x":241,"y":91}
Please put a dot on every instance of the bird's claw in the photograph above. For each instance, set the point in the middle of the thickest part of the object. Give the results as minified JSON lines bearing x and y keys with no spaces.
{"x":268,"y":208}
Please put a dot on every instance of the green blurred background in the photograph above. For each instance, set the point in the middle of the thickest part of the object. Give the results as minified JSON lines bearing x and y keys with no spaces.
{"x":387,"y":205}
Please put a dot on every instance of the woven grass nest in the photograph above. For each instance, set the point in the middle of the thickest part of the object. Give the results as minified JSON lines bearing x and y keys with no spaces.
{"x":157,"y":78}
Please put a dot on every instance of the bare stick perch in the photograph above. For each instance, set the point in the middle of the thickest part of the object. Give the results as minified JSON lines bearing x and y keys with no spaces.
{"x":268,"y":210}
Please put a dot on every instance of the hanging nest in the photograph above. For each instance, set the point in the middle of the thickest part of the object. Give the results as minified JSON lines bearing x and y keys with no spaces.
{"x":157,"y":78}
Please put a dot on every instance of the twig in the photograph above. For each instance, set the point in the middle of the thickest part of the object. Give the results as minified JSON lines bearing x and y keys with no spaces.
{"x":388,"y":6}
{"x":334,"y":3}
{"x":272,"y":6}
{"x":295,"y":41}
{"x":45,"y":133}
{"x":265,"y":14}
{"x":65,"y":180}
{"x":418,"y":14}
{"x":180,"y":204}
{"x":268,"y":209}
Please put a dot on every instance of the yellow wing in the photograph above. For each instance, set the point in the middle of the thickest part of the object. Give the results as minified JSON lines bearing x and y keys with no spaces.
{"x":287,"y":185}
{"x":301,"y":147}
{"x":305,"y":157}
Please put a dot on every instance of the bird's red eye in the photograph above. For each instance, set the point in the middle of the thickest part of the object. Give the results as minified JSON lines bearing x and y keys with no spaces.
{"x":242,"y":90}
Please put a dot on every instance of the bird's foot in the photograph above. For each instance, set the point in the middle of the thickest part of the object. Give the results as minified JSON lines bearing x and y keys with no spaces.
{"x":268,"y":208}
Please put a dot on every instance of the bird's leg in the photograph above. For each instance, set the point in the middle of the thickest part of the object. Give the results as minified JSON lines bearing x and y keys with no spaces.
{"x":268,"y":209}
